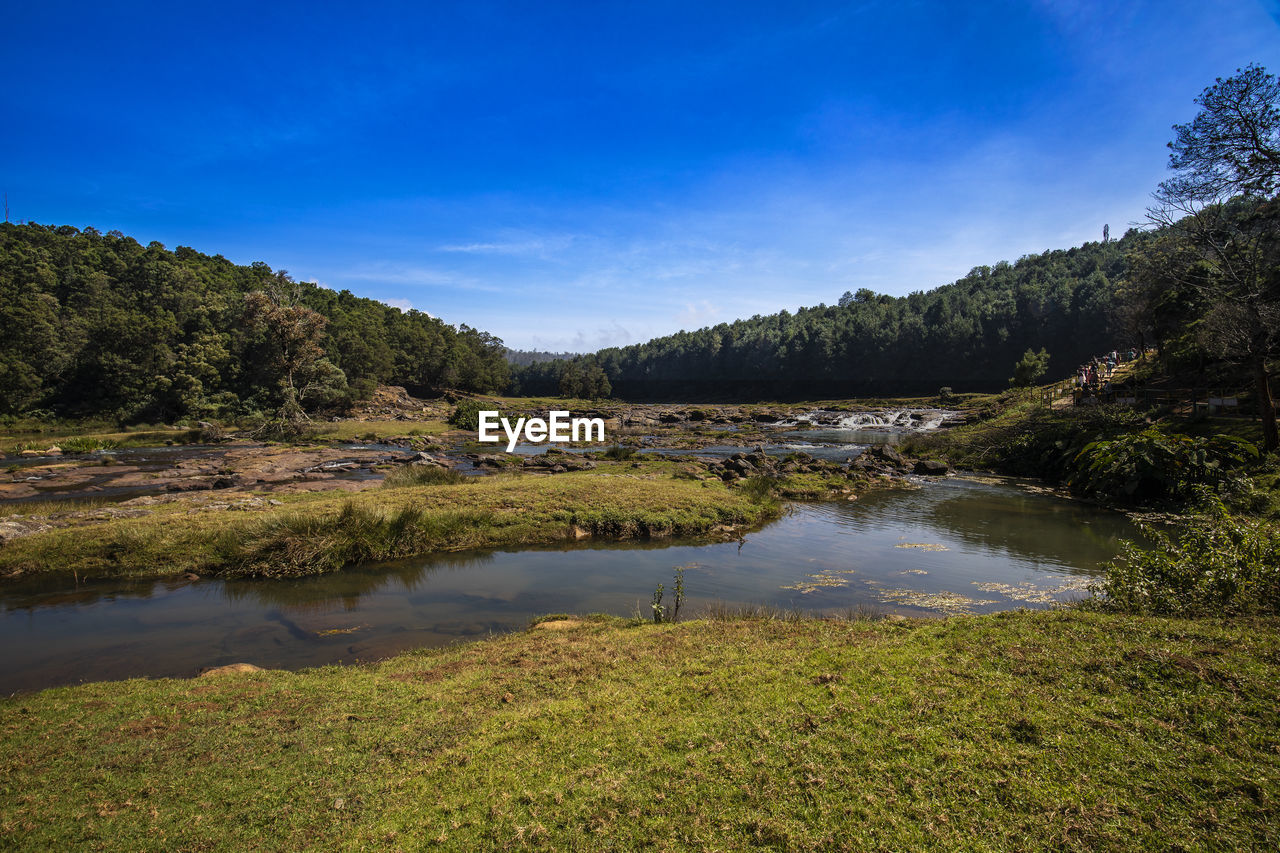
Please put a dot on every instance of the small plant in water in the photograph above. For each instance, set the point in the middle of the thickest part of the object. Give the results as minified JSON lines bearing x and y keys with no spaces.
{"x":660,"y":613}
{"x":657,"y":604}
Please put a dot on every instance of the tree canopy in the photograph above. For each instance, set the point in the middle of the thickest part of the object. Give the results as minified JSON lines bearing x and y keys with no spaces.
{"x":98,"y":324}
{"x":964,"y":335}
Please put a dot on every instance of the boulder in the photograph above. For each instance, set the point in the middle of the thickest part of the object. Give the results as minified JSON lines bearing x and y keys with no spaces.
{"x":932,"y":468}
{"x":10,"y":530}
{"x":230,"y":669}
{"x":888,"y":454}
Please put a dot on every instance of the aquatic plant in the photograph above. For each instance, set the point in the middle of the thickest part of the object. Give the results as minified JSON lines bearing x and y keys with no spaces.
{"x":660,"y":613}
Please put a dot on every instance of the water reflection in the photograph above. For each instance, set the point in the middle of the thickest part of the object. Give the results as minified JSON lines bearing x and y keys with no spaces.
{"x":901,"y":550}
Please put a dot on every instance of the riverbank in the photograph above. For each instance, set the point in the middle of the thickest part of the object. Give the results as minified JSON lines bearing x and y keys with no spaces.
{"x":1052,"y":730}
{"x":235,"y":533}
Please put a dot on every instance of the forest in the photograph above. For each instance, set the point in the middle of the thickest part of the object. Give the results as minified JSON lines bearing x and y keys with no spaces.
{"x":96,"y":324}
{"x":966,"y":335}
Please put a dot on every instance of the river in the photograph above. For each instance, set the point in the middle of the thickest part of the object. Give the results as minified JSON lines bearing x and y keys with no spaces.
{"x":951,"y":545}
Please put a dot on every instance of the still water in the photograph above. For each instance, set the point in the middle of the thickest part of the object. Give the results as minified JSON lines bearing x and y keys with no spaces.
{"x":956,"y":545}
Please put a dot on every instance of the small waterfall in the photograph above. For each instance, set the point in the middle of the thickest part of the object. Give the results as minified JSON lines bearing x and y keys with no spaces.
{"x":897,"y":420}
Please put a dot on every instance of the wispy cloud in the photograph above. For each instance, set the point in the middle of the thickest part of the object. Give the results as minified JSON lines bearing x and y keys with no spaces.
{"x":544,"y":247}
{"x":409,"y":275}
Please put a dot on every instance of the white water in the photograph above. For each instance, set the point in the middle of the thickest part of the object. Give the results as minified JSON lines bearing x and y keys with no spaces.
{"x":911,"y":420}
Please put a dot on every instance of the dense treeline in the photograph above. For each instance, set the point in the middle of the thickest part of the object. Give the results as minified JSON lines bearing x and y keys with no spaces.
{"x":98,"y":324}
{"x":967,"y":335}
{"x":522,"y":357}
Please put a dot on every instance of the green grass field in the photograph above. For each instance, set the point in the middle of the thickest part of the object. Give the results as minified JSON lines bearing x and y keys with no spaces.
{"x":1020,"y":731}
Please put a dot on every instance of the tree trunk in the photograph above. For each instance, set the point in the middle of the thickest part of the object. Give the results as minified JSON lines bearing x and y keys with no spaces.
{"x":1266,"y":406}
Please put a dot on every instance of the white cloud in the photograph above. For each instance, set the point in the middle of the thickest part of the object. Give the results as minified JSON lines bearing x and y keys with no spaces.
{"x":402,"y":304}
{"x":542,"y":246}
{"x":385,"y":272}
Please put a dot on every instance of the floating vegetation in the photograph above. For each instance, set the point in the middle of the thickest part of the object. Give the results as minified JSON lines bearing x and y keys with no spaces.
{"x":1157,"y":517}
{"x":330,"y":632}
{"x":1031,"y":593}
{"x":950,"y":603}
{"x":914,"y":571}
{"x":985,"y":480}
{"x":923,"y":546}
{"x":825,"y":578}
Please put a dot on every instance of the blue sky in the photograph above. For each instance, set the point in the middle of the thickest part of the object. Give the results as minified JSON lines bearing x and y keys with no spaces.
{"x":577,"y":175}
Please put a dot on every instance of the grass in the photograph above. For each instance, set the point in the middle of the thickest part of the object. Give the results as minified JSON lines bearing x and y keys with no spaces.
{"x":1020,"y":731}
{"x":424,"y":475}
{"x":321,"y":531}
{"x":75,"y":440}
{"x":53,"y":507}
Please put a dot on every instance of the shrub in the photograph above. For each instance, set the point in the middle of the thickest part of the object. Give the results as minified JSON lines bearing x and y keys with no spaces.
{"x":1220,"y":565}
{"x":466,"y":415}
{"x":1152,"y":465}
{"x":619,"y":452}
{"x":760,"y":488}
{"x":80,"y":444}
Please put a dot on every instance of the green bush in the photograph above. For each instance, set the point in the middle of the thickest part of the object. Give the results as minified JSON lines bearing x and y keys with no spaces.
{"x":79,"y":444}
{"x":760,"y":488}
{"x":619,"y":452}
{"x":1152,"y":465}
{"x":466,"y":415}
{"x":1220,"y":565}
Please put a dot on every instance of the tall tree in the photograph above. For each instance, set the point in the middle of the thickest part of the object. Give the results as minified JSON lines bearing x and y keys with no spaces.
{"x":1221,"y":203}
{"x":1232,"y":146}
{"x":293,"y":345}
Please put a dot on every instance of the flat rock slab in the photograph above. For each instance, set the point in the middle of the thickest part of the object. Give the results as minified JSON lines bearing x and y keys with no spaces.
{"x":231,"y":669}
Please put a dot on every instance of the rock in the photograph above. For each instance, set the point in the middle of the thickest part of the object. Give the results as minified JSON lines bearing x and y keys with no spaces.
{"x":888,"y":454}
{"x":230,"y":669}
{"x":932,"y":468}
{"x":28,"y":454}
{"x":558,"y":624}
{"x":10,"y":530}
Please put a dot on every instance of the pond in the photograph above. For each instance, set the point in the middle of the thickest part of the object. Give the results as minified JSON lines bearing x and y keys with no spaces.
{"x":952,"y":545}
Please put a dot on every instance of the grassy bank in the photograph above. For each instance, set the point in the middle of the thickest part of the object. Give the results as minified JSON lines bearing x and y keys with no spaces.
{"x":322,"y":531}
{"x":1051,"y":730}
